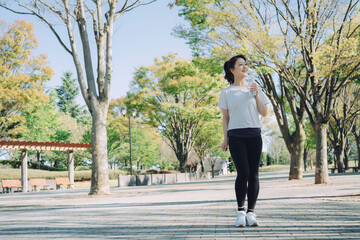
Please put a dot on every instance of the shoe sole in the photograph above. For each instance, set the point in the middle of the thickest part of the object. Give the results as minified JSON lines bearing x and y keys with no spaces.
{"x":240,"y":226}
{"x":255,"y":224}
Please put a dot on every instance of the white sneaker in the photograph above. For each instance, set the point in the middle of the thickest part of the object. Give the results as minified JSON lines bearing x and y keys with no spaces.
{"x":240,"y":219}
{"x":251,"y":219}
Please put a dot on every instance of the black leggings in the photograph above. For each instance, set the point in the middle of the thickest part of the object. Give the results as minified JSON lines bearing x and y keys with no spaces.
{"x":245,"y":153}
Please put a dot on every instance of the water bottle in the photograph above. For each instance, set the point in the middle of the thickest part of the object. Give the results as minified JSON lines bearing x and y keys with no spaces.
{"x":251,"y":81}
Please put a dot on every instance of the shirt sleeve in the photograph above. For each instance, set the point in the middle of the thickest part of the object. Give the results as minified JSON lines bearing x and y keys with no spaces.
{"x":265,"y":100}
{"x":223,"y":101}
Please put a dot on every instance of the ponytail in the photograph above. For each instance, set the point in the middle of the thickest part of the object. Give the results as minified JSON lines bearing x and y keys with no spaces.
{"x":229,"y":76}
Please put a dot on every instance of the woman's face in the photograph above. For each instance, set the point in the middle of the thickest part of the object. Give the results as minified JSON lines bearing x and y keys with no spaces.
{"x":240,"y":69}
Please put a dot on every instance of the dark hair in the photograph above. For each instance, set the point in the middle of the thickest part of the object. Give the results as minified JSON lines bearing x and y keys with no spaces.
{"x":229,"y":76}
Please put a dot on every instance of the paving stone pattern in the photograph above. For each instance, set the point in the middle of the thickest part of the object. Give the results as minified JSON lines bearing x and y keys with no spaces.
{"x":196,"y":210}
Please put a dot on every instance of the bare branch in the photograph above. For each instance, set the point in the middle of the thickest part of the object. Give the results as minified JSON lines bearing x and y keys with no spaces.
{"x":80,"y":18}
{"x":133,"y":5}
{"x":32,"y":12}
{"x":108,"y":57}
{"x":79,"y":70}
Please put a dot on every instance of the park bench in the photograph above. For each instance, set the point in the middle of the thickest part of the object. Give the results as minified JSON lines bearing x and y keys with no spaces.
{"x":354,"y":169}
{"x":38,"y":182}
{"x":60,"y":182}
{"x":9,"y":185}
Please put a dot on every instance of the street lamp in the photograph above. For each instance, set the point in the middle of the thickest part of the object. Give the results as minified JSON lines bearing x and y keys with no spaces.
{"x":133,"y":113}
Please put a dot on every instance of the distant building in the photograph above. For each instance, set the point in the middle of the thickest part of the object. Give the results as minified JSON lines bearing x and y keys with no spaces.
{"x":220,"y":167}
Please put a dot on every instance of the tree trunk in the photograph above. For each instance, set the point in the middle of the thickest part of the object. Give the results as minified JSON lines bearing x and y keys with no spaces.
{"x":213,"y":170}
{"x":346,"y":153}
{"x":297,"y":154}
{"x":305,"y":157}
{"x":38,"y":156}
{"x":24,"y":170}
{"x":357,"y":140}
{"x":321,"y":171}
{"x":71,"y":167}
{"x":182,"y":157}
{"x":358,"y":150}
{"x":202,"y":165}
{"x":99,"y":174}
{"x":339,"y":156}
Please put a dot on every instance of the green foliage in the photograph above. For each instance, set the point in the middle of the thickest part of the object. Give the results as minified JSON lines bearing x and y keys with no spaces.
{"x":145,"y":149}
{"x":270,"y":160}
{"x":278,"y":151}
{"x":21,"y":77}
{"x":46,"y":124}
{"x":209,"y":138}
{"x":194,"y":12}
{"x":263,"y":159}
{"x":66,"y":98}
{"x":167,"y":157}
{"x":117,"y":133}
{"x":231,"y":165}
{"x":177,"y":97}
{"x":310,"y":135}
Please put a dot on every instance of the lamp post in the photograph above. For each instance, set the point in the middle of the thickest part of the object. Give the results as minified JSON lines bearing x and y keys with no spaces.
{"x":133,"y":113}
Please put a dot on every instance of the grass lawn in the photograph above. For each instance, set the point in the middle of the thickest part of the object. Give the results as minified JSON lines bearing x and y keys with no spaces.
{"x":275,"y":168}
{"x":84,"y":175}
{"x":82,"y":178}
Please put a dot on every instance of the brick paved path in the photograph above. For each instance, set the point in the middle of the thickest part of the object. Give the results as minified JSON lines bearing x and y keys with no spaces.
{"x":200,"y":210}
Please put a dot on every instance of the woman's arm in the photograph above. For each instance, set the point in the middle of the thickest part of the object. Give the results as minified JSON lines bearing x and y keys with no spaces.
{"x":262,"y":108}
{"x":225,"y":124}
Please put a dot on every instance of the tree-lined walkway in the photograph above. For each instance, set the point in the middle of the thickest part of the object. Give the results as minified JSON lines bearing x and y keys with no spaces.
{"x":200,"y":210}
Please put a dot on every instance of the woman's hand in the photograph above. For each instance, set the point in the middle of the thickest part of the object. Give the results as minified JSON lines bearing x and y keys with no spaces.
{"x":224,"y":145}
{"x":254,"y":88}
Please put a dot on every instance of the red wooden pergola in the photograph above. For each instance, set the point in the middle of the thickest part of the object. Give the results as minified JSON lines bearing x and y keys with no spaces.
{"x":25,"y":145}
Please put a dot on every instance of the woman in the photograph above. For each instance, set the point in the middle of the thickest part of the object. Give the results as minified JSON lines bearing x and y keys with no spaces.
{"x":241,"y":105}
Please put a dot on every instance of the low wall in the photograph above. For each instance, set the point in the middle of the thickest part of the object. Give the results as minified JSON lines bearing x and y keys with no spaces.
{"x":157,"y":179}
{"x":154,"y":179}
{"x":127,"y":180}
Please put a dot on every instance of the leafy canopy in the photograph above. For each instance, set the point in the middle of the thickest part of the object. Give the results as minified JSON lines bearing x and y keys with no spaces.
{"x":177,"y":97}
{"x":21,"y":77}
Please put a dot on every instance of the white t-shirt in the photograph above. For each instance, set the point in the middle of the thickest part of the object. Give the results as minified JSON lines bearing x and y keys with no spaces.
{"x":242,"y":108}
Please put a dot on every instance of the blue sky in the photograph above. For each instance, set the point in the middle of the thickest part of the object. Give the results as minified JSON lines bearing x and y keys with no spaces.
{"x":140,"y":36}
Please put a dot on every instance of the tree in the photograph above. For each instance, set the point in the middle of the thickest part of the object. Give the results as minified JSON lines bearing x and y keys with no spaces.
{"x":313,"y":48}
{"x":145,"y":146}
{"x":310,"y":145}
{"x":94,"y":84}
{"x":356,"y":133}
{"x":117,"y":126}
{"x":329,"y":51}
{"x":209,"y":136}
{"x":342,"y":122}
{"x":214,"y":153}
{"x":167,"y":157}
{"x":278,"y":149}
{"x":21,"y":77}
{"x":176,"y":97}
{"x":233,"y":27}
{"x":45,"y":123}
{"x":67,"y":94}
